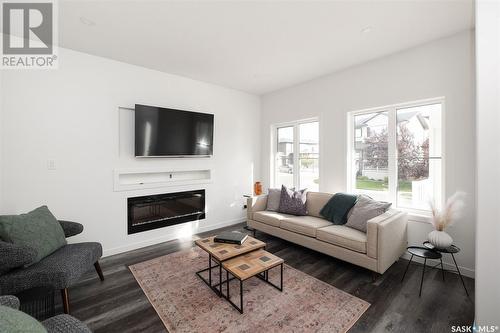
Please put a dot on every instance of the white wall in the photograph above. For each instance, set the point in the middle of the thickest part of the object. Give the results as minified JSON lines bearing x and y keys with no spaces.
{"x":441,"y":68}
{"x":1,"y":136}
{"x":488,"y":161}
{"x":72,"y":115}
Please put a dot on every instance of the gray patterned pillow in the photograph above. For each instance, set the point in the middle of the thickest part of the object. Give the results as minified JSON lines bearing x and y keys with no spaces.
{"x":365,"y":209}
{"x":292,"y":202}
{"x":273,"y":199}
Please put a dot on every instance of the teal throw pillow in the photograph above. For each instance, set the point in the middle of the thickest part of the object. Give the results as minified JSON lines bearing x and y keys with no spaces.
{"x":337,"y":208}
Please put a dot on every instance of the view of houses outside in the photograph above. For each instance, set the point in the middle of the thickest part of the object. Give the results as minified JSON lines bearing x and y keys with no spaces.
{"x":308,"y":158}
{"x":284,"y":157}
{"x":418,"y":143}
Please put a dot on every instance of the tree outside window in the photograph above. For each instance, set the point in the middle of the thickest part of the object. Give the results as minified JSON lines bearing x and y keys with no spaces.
{"x":417,"y":155}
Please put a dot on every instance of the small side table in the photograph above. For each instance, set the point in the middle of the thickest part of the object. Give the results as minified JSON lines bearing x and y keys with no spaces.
{"x":425,"y":253}
{"x":451,"y":250}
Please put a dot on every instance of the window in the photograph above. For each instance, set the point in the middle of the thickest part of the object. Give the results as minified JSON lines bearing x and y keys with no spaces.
{"x":284,"y":156}
{"x":299,"y":170}
{"x":395,"y":154}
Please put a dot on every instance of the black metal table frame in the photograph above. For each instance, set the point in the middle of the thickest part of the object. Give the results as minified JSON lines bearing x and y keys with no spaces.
{"x":457,"y":270}
{"x":423,"y":270}
{"x":209,"y":269}
{"x":264,"y":276}
{"x":208,"y":282}
{"x":436,"y":266}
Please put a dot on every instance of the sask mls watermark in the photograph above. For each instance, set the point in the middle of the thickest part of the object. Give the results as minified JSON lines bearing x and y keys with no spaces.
{"x":29,"y":38}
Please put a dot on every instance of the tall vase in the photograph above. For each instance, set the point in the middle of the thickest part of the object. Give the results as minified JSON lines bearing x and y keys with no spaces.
{"x":257,"y":188}
{"x":440,"y":239}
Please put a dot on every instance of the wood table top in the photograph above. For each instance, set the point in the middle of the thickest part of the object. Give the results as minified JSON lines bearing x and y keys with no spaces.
{"x":247,"y":265}
{"x":225,"y":251}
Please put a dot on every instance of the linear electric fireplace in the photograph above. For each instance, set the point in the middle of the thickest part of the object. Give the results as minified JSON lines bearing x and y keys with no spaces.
{"x":162,"y":210}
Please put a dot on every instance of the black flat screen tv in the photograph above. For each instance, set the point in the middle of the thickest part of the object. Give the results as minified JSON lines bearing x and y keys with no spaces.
{"x":164,"y":132}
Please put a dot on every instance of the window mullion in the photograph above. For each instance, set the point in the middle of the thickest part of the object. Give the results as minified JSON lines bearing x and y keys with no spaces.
{"x":296,"y":160}
{"x":392,"y":156}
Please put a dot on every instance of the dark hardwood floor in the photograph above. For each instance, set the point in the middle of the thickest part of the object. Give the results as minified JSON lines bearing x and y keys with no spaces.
{"x":119,"y":305}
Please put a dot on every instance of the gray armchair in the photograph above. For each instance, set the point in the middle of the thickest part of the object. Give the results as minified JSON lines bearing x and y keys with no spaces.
{"x":58,"y":324}
{"x":59,"y":270}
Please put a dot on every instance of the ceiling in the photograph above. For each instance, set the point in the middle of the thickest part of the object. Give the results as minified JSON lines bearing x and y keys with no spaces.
{"x":255,"y":46}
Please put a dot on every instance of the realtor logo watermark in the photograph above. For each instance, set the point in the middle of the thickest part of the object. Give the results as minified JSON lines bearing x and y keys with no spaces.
{"x":474,"y":329}
{"x":29,"y":38}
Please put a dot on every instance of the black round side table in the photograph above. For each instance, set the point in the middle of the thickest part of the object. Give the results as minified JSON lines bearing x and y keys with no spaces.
{"x":450,"y":250}
{"x":422,"y":252}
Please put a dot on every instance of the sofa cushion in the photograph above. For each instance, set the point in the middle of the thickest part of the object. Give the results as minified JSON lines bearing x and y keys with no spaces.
{"x":343,"y":236}
{"x":38,"y":229}
{"x":273,"y":199}
{"x":13,"y":256}
{"x":338,"y":207}
{"x":270,"y":218}
{"x":365,"y":209}
{"x":59,"y":270}
{"x":306,"y":225}
{"x":12,"y":320}
{"x":315,"y":201}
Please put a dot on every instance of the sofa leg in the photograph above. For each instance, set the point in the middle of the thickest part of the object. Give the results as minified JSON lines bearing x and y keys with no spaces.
{"x":98,"y":270}
{"x":65,"y":300}
{"x":375,"y":276}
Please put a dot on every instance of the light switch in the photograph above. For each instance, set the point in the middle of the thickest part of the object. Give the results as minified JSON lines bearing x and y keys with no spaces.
{"x":51,"y":164}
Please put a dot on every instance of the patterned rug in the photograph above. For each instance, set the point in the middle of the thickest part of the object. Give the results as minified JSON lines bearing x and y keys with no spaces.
{"x":186,"y":304}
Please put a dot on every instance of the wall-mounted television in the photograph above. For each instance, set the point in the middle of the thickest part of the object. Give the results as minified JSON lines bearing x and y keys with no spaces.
{"x":164,"y":132}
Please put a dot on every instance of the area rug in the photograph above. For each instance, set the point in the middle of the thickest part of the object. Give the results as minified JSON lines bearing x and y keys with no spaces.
{"x":185,"y":303}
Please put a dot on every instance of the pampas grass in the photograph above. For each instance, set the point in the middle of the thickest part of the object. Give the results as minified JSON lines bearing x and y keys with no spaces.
{"x":451,"y":212}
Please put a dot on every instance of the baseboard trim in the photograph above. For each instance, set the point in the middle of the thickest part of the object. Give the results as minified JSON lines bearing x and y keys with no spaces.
{"x":447,"y":265}
{"x":169,"y":237}
{"x":221,"y":225}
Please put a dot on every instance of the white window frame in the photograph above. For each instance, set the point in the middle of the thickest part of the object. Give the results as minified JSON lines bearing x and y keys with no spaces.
{"x":296,"y":149}
{"x":416,"y":214}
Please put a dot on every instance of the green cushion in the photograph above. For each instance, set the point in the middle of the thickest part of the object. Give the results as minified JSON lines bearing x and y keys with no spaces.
{"x":337,"y":208}
{"x":15,"y":321}
{"x":38,"y":229}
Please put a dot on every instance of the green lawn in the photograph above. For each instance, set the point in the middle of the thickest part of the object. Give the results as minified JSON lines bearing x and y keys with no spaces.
{"x":380,"y":185}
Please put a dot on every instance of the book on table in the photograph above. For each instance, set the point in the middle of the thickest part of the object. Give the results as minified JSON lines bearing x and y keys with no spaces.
{"x":231,"y":237}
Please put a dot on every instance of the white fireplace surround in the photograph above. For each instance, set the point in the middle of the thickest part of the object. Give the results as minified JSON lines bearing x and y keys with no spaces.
{"x":139,"y":179}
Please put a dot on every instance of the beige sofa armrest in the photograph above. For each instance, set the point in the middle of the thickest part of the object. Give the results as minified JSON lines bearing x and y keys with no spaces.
{"x":255,"y":204}
{"x":387,"y":238}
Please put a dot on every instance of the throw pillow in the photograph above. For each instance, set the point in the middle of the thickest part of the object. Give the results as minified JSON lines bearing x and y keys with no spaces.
{"x":38,"y":229}
{"x":365,"y":209}
{"x":337,"y":208}
{"x":13,"y":256}
{"x":293,"y":202}
{"x":273,"y":199}
{"x":15,"y":321}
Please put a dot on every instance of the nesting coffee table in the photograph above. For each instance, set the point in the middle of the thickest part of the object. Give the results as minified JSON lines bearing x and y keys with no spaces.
{"x":241,"y":262}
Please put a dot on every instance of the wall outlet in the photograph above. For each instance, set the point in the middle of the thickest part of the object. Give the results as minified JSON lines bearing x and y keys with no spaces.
{"x":51,"y":164}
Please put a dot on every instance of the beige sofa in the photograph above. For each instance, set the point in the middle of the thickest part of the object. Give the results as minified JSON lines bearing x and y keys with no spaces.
{"x":377,"y":249}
